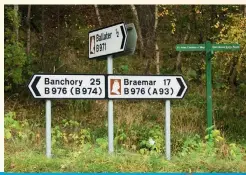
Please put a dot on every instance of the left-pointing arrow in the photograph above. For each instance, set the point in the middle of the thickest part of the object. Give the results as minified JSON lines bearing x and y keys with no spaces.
{"x":34,"y":86}
{"x":182,"y":87}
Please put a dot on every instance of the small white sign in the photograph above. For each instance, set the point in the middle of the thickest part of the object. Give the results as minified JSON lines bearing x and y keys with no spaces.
{"x":67,"y":86}
{"x":146,"y":87}
{"x":107,"y":41}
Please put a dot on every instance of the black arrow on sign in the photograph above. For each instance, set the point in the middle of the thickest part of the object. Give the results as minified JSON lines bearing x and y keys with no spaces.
{"x":124,"y":36}
{"x":182,"y":87}
{"x":34,"y":86}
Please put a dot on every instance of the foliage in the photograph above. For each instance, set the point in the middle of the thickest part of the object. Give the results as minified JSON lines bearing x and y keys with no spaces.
{"x":153,"y":142}
{"x":15,"y":59}
{"x":16,"y":130}
{"x":88,"y":159}
{"x":70,"y":133}
{"x":234,"y":32}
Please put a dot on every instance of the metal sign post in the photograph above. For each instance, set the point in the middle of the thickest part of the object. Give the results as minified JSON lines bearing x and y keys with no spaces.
{"x":110,"y":111}
{"x":64,"y":86}
{"x":108,"y":42}
{"x":48,"y":127}
{"x":149,"y":87}
{"x":168,"y":130}
{"x":209,"y":49}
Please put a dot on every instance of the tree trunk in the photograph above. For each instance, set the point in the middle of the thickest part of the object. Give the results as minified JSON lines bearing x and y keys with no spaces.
{"x":213,"y":17}
{"x":43,"y":34}
{"x":233,"y":72}
{"x":28,"y":47}
{"x":179,"y":58}
{"x":244,"y":11}
{"x":16,"y":9}
{"x":233,"y":78}
{"x":58,"y":39}
{"x":98,"y":15}
{"x":157,"y":53}
{"x":140,"y":36}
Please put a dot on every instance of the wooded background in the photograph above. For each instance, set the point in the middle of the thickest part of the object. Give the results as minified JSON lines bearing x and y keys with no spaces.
{"x":54,"y":39}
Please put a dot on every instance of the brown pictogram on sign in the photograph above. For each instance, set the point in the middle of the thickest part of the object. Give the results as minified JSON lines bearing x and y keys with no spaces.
{"x":92,"y":44}
{"x":115,"y":86}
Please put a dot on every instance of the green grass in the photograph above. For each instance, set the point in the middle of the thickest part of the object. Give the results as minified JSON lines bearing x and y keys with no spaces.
{"x":89,"y":158}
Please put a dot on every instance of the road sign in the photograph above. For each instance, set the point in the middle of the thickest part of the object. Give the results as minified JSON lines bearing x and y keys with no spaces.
{"x":67,"y":86}
{"x":201,"y":47}
{"x":107,"y":41}
{"x":146,"y":87}
{"x":209,"y":49}
{"x":225,"y":47}
{"x":190,"y":47}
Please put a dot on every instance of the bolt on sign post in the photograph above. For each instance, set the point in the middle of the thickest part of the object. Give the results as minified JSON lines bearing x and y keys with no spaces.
{"x":209,"y":49}
{"x":108,"y":42}
{"x":64,"y":86}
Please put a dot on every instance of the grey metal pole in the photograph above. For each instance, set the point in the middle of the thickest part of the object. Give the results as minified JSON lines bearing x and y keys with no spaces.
{"x":110,"y":111}
{"x":48,"y":127}
{"x":167,"y":129}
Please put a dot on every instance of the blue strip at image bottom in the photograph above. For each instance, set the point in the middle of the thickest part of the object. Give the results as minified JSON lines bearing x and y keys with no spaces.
{"x":127,"y":173}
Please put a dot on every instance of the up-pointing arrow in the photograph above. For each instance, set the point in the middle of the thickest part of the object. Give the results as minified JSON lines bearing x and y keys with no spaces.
{"x":182,"y":87}
{"x":34,"y":86}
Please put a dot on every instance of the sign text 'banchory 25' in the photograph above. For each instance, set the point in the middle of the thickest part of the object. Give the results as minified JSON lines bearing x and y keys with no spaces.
{"x":67,"y":86}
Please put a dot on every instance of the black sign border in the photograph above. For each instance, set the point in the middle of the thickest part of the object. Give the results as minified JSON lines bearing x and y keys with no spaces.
{"x":103,"y":57}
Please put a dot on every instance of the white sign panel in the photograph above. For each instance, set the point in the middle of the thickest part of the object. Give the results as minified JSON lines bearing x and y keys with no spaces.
{"x":67,"y":86}
{"x":107,"y":41}
{"x":146,"y":87}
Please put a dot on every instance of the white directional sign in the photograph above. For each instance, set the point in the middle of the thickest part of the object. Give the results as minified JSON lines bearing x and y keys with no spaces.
{"x":146,"y":87}
{"x":67,"y":86}
{"x":107,"y":41}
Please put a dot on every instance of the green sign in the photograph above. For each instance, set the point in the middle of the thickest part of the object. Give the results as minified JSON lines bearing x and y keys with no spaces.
{"x":209,"y":49}
{"x":201,"y":47}
{"x":190,"y":47}
{"x":225,"y":47}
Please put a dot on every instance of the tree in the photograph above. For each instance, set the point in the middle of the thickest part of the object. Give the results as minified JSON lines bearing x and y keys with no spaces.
{"x":16,"y":10}
{"x":14,"y":53}
{"x":244,"y":10}
{"x":98,"y":15}
{"x":28,"y":31}
{"x":157,"y":52}
{"x":234,"y":32}
{"x":137,"y":24}
{"x":42,"y":31}
{"x":179,"y":58}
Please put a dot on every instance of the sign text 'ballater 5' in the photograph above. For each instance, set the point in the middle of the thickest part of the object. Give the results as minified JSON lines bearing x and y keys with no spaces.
{"x":107,"y":41}
{"x":146,"y":87}
{"x":67,"y":86}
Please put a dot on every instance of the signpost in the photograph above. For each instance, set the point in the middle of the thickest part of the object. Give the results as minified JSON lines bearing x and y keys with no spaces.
{"x":108,"y":41}
{"x":112,"y":41}
{"x":149,"y":87}
{"x":209,"y":49}
{"x":64,"y":86}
